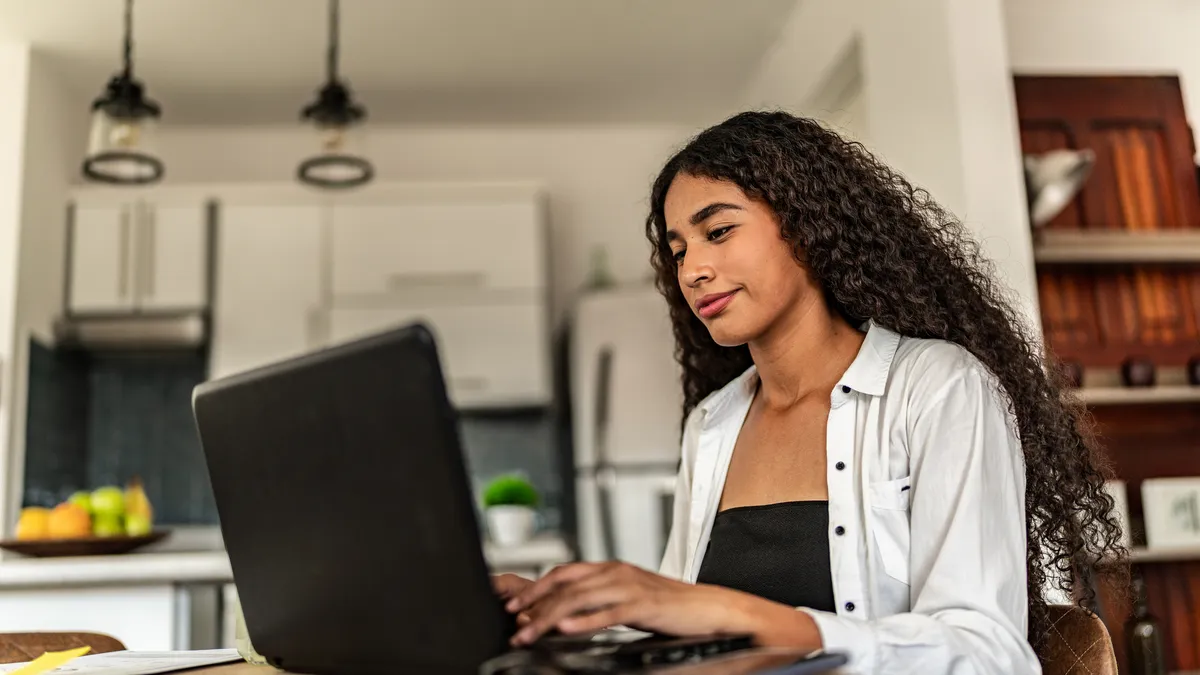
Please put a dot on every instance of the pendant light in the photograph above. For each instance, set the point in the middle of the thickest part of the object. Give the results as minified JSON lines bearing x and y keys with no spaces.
{"x":334,"y":115}
{"x":123,"y":120}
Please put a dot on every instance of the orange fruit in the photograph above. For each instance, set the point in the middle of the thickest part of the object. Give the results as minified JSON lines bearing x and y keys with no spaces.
{"x":34,"y":523}
{"x":68,"y":521}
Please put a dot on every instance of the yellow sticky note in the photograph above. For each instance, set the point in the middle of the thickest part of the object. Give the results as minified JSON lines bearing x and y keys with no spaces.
{"x":50,"y":661}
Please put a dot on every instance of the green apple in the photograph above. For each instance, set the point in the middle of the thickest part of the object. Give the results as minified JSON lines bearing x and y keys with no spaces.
{"x":83,"y":500}
{"x":137,"y":525}
{"x":108,"y":501}
{"x":107,"y":526}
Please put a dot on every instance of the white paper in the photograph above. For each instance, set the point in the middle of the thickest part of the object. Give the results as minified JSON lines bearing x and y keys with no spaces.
{"x":139,"y":663}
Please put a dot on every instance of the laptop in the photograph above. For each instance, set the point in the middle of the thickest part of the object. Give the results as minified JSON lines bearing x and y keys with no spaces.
{"x":348,"y":517}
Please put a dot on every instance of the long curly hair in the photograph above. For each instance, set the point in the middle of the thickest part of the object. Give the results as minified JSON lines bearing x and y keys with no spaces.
{"x":883,"y":250}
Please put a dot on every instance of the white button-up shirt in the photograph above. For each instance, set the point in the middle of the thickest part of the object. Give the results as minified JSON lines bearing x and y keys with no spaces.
{"x":926,"y":476}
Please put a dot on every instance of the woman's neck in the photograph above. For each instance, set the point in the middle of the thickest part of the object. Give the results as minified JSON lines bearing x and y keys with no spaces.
{"x":804,"y":353}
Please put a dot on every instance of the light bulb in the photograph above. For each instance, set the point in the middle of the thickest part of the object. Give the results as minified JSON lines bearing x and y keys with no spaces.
{"x":124,"y":135}
{"x":333,"y":138}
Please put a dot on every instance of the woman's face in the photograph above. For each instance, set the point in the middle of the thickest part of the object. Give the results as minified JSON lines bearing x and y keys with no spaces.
{"x":735,"y":269}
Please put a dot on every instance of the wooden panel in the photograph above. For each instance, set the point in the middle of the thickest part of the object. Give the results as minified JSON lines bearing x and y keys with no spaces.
{"x":1099,"y":316}
{"x":1144,"y":175}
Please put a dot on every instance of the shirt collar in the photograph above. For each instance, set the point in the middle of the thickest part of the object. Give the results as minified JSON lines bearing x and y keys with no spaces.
{"x":868,"y":374}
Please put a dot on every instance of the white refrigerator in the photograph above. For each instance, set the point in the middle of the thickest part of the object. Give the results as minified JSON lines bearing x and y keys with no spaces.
{"x":626,"y":400}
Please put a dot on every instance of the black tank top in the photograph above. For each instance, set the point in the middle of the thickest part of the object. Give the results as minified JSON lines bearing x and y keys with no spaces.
{"x":776,"y":551}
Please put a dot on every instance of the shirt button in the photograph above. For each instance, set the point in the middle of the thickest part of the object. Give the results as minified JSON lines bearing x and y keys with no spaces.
{"x":849,"y":606}
{"x":839,"y":530}
{"x":845,"y":389}
{"x":840,"y":466}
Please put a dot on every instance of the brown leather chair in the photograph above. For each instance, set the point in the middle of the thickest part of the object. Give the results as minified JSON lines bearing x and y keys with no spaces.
{"x":1078,"y":644}
{"x":20,"y":647}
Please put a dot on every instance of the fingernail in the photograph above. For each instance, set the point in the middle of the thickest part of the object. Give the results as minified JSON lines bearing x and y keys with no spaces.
{"x":513,"y":605}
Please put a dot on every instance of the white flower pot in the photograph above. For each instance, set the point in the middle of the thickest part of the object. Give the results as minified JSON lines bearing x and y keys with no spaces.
{"x":510,"y":525}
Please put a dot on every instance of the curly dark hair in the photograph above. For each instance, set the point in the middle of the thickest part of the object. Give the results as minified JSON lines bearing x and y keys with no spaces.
{"x":883,"y":250}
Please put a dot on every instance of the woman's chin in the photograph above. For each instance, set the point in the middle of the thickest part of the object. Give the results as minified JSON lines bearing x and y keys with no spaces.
{"x":726,"y":334}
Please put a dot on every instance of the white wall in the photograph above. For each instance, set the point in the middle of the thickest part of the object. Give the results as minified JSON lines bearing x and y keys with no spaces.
{"x":55,"y":132}
{"x":925,"y":84}
{"x":597,"y":178}
{"x":14,"y":72}
{"x":1092,"y":37}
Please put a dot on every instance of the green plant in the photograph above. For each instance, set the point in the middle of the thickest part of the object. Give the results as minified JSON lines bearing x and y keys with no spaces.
{"x":510,"y":490}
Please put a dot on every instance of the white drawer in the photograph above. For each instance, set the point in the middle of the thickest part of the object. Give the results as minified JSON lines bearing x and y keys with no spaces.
{"x":419,"y":247}
{"x":493,"y":355}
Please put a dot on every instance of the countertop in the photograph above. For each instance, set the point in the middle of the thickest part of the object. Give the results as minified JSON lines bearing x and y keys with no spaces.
{"x":171,"y":567}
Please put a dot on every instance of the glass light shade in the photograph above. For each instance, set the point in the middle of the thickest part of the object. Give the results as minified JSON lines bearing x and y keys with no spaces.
{"x":121,"y":150}
{"x":340,"y":160}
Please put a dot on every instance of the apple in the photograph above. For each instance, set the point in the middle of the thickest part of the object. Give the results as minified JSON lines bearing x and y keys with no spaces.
{"x":82,"y":499}
{"x":108,"y":526}
{"x":108,"y":501}
{"x":137,"y":525}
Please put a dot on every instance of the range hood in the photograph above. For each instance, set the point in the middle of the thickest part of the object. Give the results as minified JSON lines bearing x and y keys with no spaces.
{"x":133,"y":331}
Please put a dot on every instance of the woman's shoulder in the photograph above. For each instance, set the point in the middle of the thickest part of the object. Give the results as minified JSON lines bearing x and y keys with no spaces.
{"x":928,"y":369}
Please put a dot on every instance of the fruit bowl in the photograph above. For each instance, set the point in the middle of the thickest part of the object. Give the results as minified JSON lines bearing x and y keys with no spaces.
{"x":53,"y":548}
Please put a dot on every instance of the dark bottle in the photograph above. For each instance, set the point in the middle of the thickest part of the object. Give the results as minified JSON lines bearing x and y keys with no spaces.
{"x":1143,"y":635}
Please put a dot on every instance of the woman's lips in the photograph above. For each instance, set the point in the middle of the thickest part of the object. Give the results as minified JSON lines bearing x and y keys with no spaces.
{"x":713,"y":304}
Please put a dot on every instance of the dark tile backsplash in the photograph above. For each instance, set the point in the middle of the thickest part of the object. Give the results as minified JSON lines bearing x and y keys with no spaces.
{"x":101,"y":419}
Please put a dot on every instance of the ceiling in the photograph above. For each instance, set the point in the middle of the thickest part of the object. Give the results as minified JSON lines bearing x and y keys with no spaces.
{"x":417,"y":61}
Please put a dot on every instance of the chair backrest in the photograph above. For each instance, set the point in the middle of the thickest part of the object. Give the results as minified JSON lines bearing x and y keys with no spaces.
{"x":1078,"y":644}
{"x":20,"y":647}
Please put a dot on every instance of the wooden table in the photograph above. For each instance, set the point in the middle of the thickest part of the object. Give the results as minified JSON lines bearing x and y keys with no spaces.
{"x":740,"y":663}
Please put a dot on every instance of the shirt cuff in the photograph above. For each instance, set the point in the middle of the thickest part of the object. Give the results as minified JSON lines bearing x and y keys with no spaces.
{"x":848,"y":636}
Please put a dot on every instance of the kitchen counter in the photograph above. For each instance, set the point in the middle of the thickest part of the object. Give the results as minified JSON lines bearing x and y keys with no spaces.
{"x":116,"y":570}
{"x":539,"y":554}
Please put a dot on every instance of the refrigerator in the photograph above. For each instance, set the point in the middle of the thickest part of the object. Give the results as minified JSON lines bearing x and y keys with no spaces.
{"x":626,"y":405}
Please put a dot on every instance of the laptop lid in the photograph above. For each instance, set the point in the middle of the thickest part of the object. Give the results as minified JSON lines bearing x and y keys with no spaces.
{"x":347,"y":512}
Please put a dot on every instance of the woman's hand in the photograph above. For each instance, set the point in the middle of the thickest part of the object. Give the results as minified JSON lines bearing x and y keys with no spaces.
{"x":508,"y":586}
{"x":585,"y":597}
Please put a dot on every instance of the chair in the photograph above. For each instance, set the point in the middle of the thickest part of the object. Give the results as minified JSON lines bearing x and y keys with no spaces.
{"x":19,"y":647}
{"x":1078,"y":644}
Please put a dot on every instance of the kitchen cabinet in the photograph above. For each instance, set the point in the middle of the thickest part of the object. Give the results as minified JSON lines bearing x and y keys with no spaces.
{"x":268,"y":291}
{"x":138,"y":256}
{"x":493,"y":355}
{"x":429,"y":247}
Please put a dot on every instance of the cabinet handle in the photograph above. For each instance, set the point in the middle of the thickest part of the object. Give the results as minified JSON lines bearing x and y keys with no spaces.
{"x":123,"y":255}
{"x":468,"y":383}
{"x":402,"y":280}
{"x":151,"y":254}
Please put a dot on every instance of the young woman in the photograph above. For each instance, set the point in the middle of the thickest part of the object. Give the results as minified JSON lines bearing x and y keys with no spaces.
{"x":875,"y":459}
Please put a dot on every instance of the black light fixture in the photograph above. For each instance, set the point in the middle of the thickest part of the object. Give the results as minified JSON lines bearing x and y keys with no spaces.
{"x":123,"y":120}
{"x":334,"y":115}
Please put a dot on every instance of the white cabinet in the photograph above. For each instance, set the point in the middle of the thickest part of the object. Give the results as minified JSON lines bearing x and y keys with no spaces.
{"x":431,"y":246}
{"x":492,"y":355}
{"x":138,"y":256}
{"x":268,"y":292}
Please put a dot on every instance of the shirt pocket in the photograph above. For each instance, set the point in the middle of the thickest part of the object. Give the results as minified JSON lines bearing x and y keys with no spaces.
{"x":890,"y":525}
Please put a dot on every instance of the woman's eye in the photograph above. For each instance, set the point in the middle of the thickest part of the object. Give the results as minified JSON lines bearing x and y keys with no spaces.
{"x":677,"y":256}
{"x":719,"y":232}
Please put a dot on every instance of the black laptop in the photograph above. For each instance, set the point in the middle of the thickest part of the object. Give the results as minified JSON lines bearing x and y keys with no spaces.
{"x":347,"y":514}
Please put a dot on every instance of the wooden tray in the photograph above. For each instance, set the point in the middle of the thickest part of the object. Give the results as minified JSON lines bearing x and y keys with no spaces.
{"x":52,"y":548}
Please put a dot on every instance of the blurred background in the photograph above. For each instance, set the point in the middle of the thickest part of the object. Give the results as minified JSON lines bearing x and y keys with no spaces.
{"x":192,"y":188}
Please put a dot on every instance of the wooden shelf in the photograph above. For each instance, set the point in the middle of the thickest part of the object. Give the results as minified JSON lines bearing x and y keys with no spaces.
{"x":1116,"y":247}
{"x":1141,"y":554}
{"x":1127,"y":395}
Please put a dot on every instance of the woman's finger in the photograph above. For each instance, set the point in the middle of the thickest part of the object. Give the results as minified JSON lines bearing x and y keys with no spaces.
{"x":615,"y":615}
{"x":542,"y":587}
{"x":508,"y":585}
{"x":565,"y":605}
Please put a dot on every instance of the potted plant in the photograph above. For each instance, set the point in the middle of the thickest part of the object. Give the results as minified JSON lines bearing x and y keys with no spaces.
{"x":508,"y":503}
